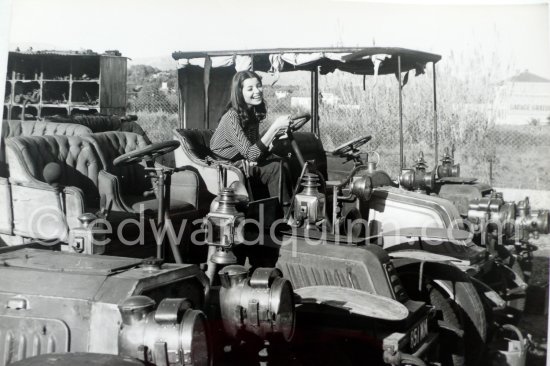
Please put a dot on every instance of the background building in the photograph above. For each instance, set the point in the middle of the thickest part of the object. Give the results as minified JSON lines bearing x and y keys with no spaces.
{"x":524,"y":100}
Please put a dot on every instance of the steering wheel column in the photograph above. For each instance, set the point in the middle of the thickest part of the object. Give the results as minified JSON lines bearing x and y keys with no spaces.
{"x":161,"y":178}
{"x":297,"y":122}
{"x":296,"y":150}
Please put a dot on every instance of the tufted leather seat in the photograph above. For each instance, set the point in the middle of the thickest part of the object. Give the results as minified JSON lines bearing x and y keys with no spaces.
{"x":12,"y":128}
{"x":95,"y":122}
{"x":103,"y":123}
{"x":80,"y":165}
{"x":87,"y":173}
{"x":132,"y":126}
{"x":132,"y":180}
{"x":113,"y":144}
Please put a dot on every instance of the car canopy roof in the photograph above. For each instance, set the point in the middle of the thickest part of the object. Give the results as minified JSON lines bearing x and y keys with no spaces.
{"x":356,"y":60}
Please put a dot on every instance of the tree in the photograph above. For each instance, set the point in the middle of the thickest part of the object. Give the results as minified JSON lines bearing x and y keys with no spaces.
{"x":534,"y":122}
{"x":139,"y":74}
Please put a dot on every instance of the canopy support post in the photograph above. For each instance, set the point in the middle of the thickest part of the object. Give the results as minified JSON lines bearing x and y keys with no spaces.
{"x":400,"y":113}
{"x":435,"y":117}
{"x":315,"y":101}
{"x":182,"y":106}
{"x":206,"y":82}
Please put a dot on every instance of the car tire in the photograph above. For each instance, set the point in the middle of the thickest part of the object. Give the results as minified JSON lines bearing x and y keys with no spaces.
{"x":466,"y":313}
{"x":451,"y":353}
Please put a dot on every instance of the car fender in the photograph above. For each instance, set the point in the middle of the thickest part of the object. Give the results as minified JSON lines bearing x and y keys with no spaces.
{"x":455,"y":283}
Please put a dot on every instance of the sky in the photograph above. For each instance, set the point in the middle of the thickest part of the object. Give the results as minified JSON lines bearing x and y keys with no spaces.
{"x":517,"y":32}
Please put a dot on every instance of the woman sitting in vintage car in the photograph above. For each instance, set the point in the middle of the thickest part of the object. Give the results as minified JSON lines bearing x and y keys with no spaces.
{"x":237,"y":137}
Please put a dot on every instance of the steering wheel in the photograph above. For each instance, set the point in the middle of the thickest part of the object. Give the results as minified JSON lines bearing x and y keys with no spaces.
{"x":351,"y":145}
{"x":149,"y":152}
{"x":296,"y":122}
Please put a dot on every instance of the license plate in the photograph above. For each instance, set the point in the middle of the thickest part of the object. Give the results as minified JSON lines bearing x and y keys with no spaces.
{"x":418,"y":333}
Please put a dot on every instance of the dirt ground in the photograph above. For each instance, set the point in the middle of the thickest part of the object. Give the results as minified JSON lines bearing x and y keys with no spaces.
{"x":534,"y":321}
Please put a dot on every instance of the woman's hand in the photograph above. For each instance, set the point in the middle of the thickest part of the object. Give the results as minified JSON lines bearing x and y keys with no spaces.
{"x":280,"y":124}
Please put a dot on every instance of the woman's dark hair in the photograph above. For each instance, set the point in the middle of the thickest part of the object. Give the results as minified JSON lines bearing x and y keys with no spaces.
{"x":237,"y":102}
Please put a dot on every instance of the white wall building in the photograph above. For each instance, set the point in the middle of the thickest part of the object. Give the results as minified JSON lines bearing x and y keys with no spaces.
{"x":523,"y":99}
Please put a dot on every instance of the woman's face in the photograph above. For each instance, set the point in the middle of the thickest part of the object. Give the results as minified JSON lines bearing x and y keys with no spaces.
{"x":253,"y":92}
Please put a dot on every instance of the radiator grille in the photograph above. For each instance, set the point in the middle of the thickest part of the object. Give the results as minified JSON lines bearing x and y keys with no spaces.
{"x":303,"y":276}
{"x":23,"y":337}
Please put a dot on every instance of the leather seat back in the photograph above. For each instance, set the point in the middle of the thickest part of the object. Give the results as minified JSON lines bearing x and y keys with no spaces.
{"x":133,"y":126}
{"x":196,"y":144}
{"x":14,"y":128}
{"x":110,"y":145}
{"x":195,"y":153}
{"x":79,"y":162}
{"x":95,"y":122}
{"x":103,"y":123}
